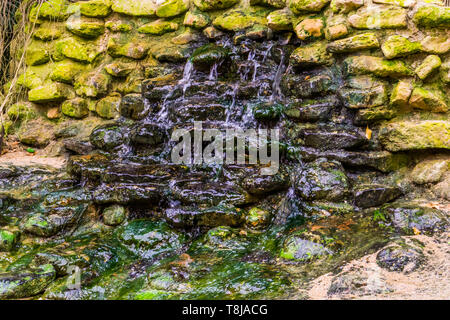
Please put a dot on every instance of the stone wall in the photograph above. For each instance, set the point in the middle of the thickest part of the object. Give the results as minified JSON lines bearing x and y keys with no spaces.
{"x":86,"y":56}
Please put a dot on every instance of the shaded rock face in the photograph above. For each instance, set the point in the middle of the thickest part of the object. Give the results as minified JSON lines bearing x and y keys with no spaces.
{"x":353,"y":103}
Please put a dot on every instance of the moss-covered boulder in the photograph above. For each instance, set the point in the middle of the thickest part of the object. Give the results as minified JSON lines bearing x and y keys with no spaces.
{"x":66,"y":71}
{"x":50,"y":92}
{"x":432,"y":16}
{"x":345,"y":6}
{"x":142,"y":8}
{"x":21,"y":111}
{"x":428,"y":66}
{"x":36,"y":54}
{"x":355,"y":43}
{"x":75,"y":108}
{"x":196,"y":19}
{"x":376,"y":66}
{"x":26,"y":283}
{"x":280,"y":20}
{"x":322,"y":179}
{"x":114,"y":215}
{"x":84,"y":27}
{"x":303,"y":6}
{"x":119,"y":26}
{"x":401,"y":93}
{"x":120,"y":69}
{"x":298,"y":249}
{"x":398,"y":46}
{"x":428,"y":100}
{"x":207,"y":5}
{"x":312,"y":55}
{"x":171,"y":8}
{"x":109,"y":106}
{"x":95,"y":8}
{"x":36,"y":133}
{"x":93,"y":84}
{"x":158,"y":27}
{"x":29,"y":79}
{"x":207,"y":55}
{"x":445,"y":72}
{"x":8,"y":239}
{"x":310,"y":28}
{"x":48,"y":32}
{"x":49,"y":10}
{"x":240,"y":19}
{"x":415,"y":135}
{"x":78,"y":50}
{"x":378,"y":17}
{"x":133,"y":48}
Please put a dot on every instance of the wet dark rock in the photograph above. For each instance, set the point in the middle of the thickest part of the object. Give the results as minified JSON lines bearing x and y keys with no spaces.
{"x":127,"y":193}
{"x":87,"y":166}
{"x":78,"y":146}
{"x":304,"y":86}
{"x":209,"y":193}
{"x":267,"y":112}
{"x":331,"y":138}
{"x":409,"y":218}
{"x":201,"y":109}
{"x":322,"y":179}
{"x":375,"y":195}
{"x":107,"y":137}
{"x":62,"y":262}
{"x":136,"y":173}
{"x":311,"y":110}
{"x":148,"y":238}
{"x":258,"y":184}
{"x":208,"y":55}
{"x":133,"y":106}
{"x":8,"y":239}
{"x":400,"y":258}
{"x":16,"y":285}
{"x":383,"y":161}
{"x":223,"y":238}
{"x":147,"y":134}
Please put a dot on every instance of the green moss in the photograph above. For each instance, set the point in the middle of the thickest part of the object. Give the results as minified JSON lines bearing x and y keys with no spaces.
{"x":75,"y":108}
{"x":50,"y":92}
{"x":280,"y":20}
{"x":171,"y":8}
{"x":29,"y":80}
{"x":432,"y":16}
{"x":428,"y":66}
{"x":196,"y":19}
{"x":158,"y":27}
{"x":66,"y":71}
{"x":78,"y":50}
{"x":89,"y":28}
{"x":240,"y":19}
{"x":428,"y":100}
{"x":108,"y":107}
{"x":302,"y":6}
{"x":311,"y":55}
{"x":142,"y":8}
{"x":398,"y":46}
{"x":118,"y":26}
{"x":21,"y":111}
{"x":93,"y":84}
{"x":127,"y":47}
{"x":359,"y":42}
{"x":377,"y":66}
{"x":95,"y":8}
{"x":49,"y":10}
{"x":8,"y":240}
{"x":36,"y":54}
{"x":206,"y":5}
{"x":48,"y":32}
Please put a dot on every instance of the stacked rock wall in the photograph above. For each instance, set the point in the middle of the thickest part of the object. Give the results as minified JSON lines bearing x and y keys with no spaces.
{"x":87,"y":55}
